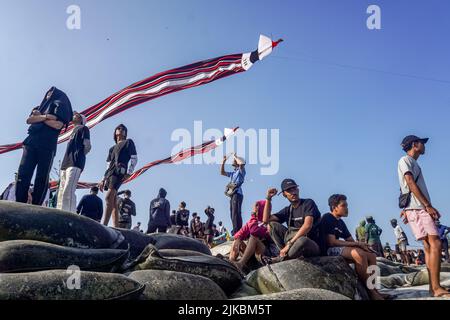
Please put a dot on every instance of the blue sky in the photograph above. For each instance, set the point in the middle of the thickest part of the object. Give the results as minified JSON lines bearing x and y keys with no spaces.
{"x":340,"y":122}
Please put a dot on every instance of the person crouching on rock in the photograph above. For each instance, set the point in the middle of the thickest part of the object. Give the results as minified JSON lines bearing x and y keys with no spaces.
{"x":257,"y":235}
{"x":300,"y":238}
{"x":118,"y":171}
{"x":333,"y":228}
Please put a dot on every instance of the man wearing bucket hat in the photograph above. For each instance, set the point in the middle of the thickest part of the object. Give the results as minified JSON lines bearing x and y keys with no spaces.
{"x":73,"y":163}
{"x":301,"y":237}
{"x":234,"y":190}
{"x":418,"y":211}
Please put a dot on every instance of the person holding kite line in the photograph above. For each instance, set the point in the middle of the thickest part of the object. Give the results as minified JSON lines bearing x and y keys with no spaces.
{"x":119,"y":156}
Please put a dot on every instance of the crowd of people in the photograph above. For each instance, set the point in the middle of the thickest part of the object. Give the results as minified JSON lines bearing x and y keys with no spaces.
{"x":296,"y":231}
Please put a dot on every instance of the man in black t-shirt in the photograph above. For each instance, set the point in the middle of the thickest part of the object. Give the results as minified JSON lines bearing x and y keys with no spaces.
{"x":300,"y":238}
{"x":332,"y":229}
{"x":127,"y":209}
{"x":182,"y":218}
{"x":91,"y":205}
{"x":119,"y":156}
{"x":73,"y":163}
{"x":39,"y":148}
{"x":209,"y":232}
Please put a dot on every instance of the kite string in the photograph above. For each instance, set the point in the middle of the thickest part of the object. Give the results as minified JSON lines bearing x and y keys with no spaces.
{"x":349,"y":66}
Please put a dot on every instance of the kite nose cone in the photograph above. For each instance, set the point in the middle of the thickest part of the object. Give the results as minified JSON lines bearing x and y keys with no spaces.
{"x":275,"y":43}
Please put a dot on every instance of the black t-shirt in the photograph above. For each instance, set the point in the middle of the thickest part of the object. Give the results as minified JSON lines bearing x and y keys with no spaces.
{"x":127,"y":208}
{"x":41,"y":135}
{"x":331,"y":225}
{"x":91,"y":206}
{"x":74,"y":156}
{"x":307,"y":208}
{"x":182,"y":217}
{"x":120,"y":155}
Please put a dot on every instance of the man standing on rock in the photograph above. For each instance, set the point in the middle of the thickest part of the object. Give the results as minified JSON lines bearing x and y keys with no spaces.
{"x":332,"y":229}
{"x":402,"y":241}
{"x":159,"y":219}
{"x":301,"y":237}
{"x":122,"y":159}
{"x":73,"y":164}
{"x":39,"y":148}
{"x":418,"y":210}
{"x":373,"y":233}
{"x":234,"y":190}
{"x":127,"y":209}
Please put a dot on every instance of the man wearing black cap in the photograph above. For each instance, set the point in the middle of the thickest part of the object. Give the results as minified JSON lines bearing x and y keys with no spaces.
{"x":301,"y":237}
{"x":127,"y":209}
{"x":119,"y":156}
{"x":418,"y":210}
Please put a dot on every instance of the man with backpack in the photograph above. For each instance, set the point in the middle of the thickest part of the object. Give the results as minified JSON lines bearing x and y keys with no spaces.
{"x":39,"y":148}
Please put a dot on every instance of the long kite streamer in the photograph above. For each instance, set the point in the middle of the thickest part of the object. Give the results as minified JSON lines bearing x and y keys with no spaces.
{"x":167,"y":82}
{"x":180,"y":156}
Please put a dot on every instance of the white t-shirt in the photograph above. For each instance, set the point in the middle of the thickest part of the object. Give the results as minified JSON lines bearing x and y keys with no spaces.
{"x":409,"y":164}
{"x":398,"y":233}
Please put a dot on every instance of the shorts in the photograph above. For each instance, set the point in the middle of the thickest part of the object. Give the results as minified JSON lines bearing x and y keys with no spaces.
{"x":402,"y":245}
{"x":335,"y":251}
{"x":114,"y":181}
{"x":421,"y":223}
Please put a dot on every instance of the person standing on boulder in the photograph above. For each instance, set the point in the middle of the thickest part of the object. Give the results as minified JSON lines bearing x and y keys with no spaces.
{"x":39,"y":148}
{"x":402,"y":241}
{"x":91,"y":205}
{"x":361,"y":231}
{"x":373,"y":233}
{"x":122,"y":159}
{"x":127,"y":209}
{"x":333,"y":228}
{"x":209,"y":235}
{"x":182,"y":218}
{"x":73,"y":164}
{"x":301,"y":237}
{"x":159,"y":219}
{"x":418,"y":210}
{"x":234,"y":190}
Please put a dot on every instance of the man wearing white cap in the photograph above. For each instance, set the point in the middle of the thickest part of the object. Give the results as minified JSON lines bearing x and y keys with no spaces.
{"x":234,"y":190}
{"x":73,"y":163}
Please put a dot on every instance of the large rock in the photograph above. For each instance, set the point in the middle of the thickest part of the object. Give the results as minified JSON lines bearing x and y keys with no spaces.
{"x":63,"y":285}
{"x":20,"y":221}
{"x":134,"y":240}
{"x":421,"y":278}
{"x":299,"y":294}
{"x":175,"y":241}
{"x":171,"y":285}
{"x":329,"y":273}
{"x":393,"y":280}
{"x":414,"y":293}
{"x":28,"y":255}
{"x":245,"y":290}
{"x":222,"y":272}
{"x":390,"y":269}
{"x":222,"y":249}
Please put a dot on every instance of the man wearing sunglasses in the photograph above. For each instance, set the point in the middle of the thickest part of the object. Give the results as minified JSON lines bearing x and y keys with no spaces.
{"x":301,"y":236}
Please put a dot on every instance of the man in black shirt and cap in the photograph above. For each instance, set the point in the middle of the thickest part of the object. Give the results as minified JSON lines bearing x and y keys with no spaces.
{"x":301,"y":237}
{"x":127,"y":209}
{"x":39,"y":148}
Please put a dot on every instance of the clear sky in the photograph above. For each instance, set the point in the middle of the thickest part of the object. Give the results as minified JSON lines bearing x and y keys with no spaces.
{"x":342,"y":96}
